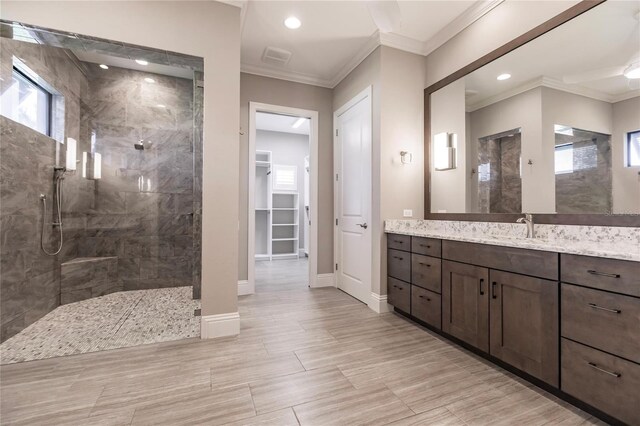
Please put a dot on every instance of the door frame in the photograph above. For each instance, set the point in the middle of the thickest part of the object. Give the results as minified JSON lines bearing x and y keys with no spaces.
{"x":255,"y":107}
{"x":337,"y":203}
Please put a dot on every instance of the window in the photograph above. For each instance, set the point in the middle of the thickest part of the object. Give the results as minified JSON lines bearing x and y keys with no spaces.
{"x":564,"y":158}
{"x":285,"y":178}
{"x":633,"y":149}
{"x":27,"y":102}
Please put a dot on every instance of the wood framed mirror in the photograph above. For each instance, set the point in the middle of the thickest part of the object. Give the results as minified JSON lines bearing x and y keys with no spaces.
{"x":570,"y":157}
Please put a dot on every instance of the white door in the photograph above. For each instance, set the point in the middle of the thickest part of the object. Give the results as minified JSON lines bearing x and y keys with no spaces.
{"x":353,"y":196}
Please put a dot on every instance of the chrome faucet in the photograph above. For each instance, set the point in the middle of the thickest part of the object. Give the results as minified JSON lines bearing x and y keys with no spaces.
{"x":528,"y":219}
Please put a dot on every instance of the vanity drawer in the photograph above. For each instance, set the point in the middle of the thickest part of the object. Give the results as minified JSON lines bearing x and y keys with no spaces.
{"x":620,"y":276}
{"x":537,"y":263}
{"x":426,"y":246}
{"x":425,"y":272}
{"x":399,"y":265}
{"x":425,"y":305}
{"x":399,"y":242}
{"x":399,"y":294}
{"x":606,"y":321}
{"x":604,"y":381}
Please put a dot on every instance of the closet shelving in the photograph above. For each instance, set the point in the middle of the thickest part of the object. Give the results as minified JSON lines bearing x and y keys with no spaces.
{"x":277,"y":215}
{"x":263,"y":205}
{"x":284,"y":224}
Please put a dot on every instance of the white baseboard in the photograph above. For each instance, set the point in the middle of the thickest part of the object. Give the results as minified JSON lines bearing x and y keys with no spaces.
{"x":244,"y":288}
{"x":379,"y":303}
{"x":325,"y":280}
{"x":221,"y":325}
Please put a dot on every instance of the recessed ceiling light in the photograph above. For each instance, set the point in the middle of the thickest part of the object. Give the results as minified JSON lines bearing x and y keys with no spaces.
{"x":161,"y":106}
{"x":298,"y":122}
{"x":504,"y":76}
{"x":633,"y":71}
{"x":292,"y":23}
{"x":142,"y":62}
{"x":149,"y":80}
{"x":104,"y":67}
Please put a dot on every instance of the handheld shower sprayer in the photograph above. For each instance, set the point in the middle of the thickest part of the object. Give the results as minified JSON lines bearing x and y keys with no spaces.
{"x":58,"y":176}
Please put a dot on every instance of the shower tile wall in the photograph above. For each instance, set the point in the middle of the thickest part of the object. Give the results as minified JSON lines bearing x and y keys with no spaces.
{"x":143,"y":211}
{"x":198,"y":115}
{"x":500,"y":185}
{"x":30,"y":280}
{"x":589,"y":187}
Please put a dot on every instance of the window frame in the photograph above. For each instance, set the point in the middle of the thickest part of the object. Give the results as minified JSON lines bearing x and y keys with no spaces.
{"x":630,"y":136}
{"x":49,"y":104}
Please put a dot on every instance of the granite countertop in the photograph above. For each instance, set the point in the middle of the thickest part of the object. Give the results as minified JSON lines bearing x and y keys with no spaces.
{"x":609,"y":242}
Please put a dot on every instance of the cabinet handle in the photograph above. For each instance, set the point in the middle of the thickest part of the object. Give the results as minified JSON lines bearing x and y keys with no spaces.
{"x":603,"y":274}
{"x":422,"y":297}
{"x":398,"y":242}
{"x":615,"y":311}
{"x":611,"y":373}
{"x":493,"y":290}
{"x":481,"y":285}
{"x":425,"y":264}
{"x":397,"y":257}
{"x":425,"y":245}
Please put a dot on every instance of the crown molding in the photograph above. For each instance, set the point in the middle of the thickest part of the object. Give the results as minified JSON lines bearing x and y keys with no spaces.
{"x":371,"y":44}
{"x":556,"y":84}
{"x":401,"y":42}
{"x":396,"y":41}
{"x":468,"y":17}
{"x":285,"y":75}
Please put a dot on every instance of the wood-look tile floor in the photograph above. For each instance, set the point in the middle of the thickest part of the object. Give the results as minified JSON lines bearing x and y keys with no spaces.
{"x":309,"y":357}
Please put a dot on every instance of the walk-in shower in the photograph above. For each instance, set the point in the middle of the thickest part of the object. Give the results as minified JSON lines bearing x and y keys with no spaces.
{"x":101,"y":199}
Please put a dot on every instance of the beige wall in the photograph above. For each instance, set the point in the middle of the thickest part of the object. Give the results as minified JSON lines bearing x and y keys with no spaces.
{"x":401,"y":129}
{"x":203,"y":28}
{"x":522,"y":111}
{"x":448,"y":187}
{"x":626,"y":180}
{"x":504,"y":23}
{"x":267,"y":90}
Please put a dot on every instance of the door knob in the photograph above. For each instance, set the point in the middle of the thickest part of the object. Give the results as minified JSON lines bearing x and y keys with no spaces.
{"x":362,"y":225}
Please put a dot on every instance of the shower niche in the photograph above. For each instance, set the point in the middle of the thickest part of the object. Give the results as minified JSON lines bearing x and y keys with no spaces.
{"x":101,"y":155}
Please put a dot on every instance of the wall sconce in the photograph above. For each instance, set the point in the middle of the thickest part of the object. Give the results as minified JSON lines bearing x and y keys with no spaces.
{"x":444,"y":151}
{"x":91,"y":165}
{"x":406,"y":157}
{"x":71,"y":156}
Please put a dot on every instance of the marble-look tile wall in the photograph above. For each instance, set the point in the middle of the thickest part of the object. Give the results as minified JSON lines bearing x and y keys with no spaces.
{"x":499,"y":182}
{"x":589,"y":187}
{"x":198,"y":115}
{"x":86,"y":277}
{"x":144,"y":202}
{"x":29,"y":279}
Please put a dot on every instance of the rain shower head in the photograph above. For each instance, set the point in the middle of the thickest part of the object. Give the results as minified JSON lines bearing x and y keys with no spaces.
{"x":142,"y":144}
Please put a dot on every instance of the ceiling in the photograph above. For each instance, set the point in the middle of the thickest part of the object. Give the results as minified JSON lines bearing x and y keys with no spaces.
{"x":552,"y":58}
{"x":336,"y":36}
{"x":115,"y":61}
{"x":280,"y":123}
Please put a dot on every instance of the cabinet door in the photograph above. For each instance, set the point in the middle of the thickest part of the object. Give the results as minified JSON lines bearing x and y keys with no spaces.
{"x":524,"y":323}
{"x":465,"y":303}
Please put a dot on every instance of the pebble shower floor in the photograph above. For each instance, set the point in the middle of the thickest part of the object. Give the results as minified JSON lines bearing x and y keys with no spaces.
{"x":117,"y":320}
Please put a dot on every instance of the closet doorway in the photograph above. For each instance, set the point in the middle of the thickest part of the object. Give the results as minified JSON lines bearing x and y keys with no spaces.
{"x":283,"y":193}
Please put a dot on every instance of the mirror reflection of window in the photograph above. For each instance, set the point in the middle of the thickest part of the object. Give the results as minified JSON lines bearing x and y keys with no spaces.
{"x":633,"y":149}
{"x":583,"y":170}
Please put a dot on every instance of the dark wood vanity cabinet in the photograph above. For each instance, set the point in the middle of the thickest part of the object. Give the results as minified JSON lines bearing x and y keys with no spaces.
{"x":600,"y":328}
{"x":506,"y":302}
{"x":465,"y":303}
{"x":524,"y":323}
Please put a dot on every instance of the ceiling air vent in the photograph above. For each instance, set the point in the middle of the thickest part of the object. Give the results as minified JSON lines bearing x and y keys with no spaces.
{"x":275,"y":56}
